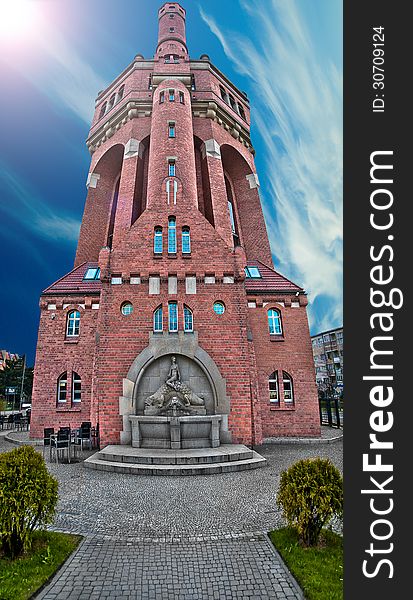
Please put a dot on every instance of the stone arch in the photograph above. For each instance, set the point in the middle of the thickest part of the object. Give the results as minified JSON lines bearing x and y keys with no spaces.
{"x":165,"y":345}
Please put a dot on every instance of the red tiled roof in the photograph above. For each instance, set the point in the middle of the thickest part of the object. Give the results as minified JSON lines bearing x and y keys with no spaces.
{"x":73,"y":282}
{"x":271,"y":281}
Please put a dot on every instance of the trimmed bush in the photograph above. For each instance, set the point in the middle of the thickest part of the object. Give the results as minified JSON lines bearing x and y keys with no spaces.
{"x":310,"y":494}
{"x":28,"y":497}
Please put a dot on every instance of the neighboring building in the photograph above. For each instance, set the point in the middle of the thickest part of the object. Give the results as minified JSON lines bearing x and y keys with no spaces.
{"x":173,"y":258}
{"x":6,"y":355}
{"x":329,"y":359}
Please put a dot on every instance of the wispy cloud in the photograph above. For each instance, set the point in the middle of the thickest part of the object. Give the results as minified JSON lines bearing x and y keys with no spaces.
{"x":35,"y":215}
{"x":297,"y":107}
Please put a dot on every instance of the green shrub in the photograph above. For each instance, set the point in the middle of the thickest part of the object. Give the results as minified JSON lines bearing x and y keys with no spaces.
{"x":28,"y":497}
{"x":310,"y":494}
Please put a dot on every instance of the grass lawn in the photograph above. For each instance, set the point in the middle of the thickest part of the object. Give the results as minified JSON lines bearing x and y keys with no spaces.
{"x":20,"y":578}
{"x":318,"y":570}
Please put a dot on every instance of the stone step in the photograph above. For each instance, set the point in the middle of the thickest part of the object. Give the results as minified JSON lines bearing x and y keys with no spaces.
{"x":95,"y":462}
{"x":150,"y":456}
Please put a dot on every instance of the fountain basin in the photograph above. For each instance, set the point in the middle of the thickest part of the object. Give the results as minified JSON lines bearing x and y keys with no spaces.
{"x":193,"y":431}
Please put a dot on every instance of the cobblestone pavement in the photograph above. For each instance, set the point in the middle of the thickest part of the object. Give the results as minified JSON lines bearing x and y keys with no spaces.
{"x":176,"y":537}
{"x":224,"y":569}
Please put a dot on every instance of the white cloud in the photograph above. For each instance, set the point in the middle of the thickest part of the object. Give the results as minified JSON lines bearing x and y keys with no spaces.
{"x":297,"y":110}
{"x":34,"y":214}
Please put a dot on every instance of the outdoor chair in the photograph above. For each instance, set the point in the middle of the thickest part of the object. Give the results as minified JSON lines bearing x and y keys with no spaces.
{"x":47,"y":432}
{"x":85,"y":436}
{"x":61,"y":442}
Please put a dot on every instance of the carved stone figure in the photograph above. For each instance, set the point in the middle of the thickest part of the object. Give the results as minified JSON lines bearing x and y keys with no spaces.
{"x":174,"y":396}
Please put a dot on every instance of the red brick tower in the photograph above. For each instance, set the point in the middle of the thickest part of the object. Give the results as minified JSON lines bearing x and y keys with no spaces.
{"x":174,"y":259}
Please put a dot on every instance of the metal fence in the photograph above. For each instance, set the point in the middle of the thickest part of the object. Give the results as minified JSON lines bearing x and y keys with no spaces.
{"x":331,"y":412}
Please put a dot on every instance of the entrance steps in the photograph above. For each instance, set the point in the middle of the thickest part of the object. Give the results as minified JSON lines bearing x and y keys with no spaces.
{"x":227,"y":458}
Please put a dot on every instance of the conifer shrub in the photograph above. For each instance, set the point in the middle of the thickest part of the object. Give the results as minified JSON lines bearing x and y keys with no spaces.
{"x":310,"y":495}
{"x":28,"y":497}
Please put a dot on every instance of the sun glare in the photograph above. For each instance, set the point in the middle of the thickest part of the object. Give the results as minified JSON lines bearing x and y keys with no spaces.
{"x":17,"y":18}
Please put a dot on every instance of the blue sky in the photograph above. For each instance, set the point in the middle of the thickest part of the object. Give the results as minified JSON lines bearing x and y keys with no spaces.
{"x":287,"y":56}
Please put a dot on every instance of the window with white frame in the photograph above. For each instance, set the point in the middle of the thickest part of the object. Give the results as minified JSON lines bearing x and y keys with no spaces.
{"x":158,"y":241}
{"x":188,"y":319}
{"x":274,"y":322}
{"x":172,"y":235}
{"x":158,"y":320}
{"x":288,"y":388}
{"x":186,"y":240}
{"x":171,"y":129}
{"x":62,"y":388}
{"x":76,"y":388}
{"x":171,"y":168}
{"x":173,"y":317}
{"x":73,"y":323}
{"x":273,"y":388}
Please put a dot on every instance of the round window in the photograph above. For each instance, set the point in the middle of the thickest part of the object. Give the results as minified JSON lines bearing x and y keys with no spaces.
{"x":219,"y":308}
{"x":126,"y":308}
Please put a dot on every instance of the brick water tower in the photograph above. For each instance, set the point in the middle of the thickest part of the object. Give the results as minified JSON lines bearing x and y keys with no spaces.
{"x":173,"y":260}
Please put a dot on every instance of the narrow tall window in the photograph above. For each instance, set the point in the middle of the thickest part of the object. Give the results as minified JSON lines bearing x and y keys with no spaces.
{"x":186,"y":240}
{"x":158,"y":320}
{"x":171,"y":168}
{"x":242,"y":112}
{"x":111,"y":101}
{"x":274,"y":322}
{"x":102,"y":110}
{"x":173,"y":316}
{"x":76,"y":388}
{"x":223,"y":94}
{"x":231,"y":216}
{"x":161,"y":97}
{"x":273,"y":388}
{"x":157,"y":241}
{"x":171,"y":129}
{"x":150,"y":81}
{"x":181,"y":98}
{"x":232,"y":103}
{"x":73,"y":323}
{"x":120,"y":93}
{"x":288,"y":388}
{"x":188,"y":320}
{"x":193,"y":84}
{"x":171,"y":95}
{"x":172,"y":235}
{"x":62,"y":387}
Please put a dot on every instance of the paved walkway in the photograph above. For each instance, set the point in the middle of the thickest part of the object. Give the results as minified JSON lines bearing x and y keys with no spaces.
{"x":176,"y":538}
{"x":222,"y":569}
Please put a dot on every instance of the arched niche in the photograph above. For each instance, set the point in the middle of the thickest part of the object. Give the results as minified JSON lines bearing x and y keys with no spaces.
{"x":152,"y":365}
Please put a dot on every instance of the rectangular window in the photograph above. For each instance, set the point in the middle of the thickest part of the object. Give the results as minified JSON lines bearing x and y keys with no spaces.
{"x":171,"y":29}
{"x":231,"y":216}
{"x":62,"y":390}
{"x":186,"y":241}
{"x":252,"y":273}
{"x":172,"y":236}
{"x":92,"y":273}
{"x":193,"y":85}
{"x":273,"y":388}
{"x":171,"y":129}
{"x":171,"y":168}
{"x":76,"y":388}
{"x":173,"y":316}
{"x":171,"y":95}
{"x":161,"y":97}
{"x":181,"y":98}
{"x":116,"y":280}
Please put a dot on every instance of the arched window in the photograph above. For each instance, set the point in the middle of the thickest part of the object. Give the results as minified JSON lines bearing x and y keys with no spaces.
{"x":188,"y":320}
{"x":273,"y":388}
{"x":76,"y":388}
{"x":102,"y":110}
{"x":158,"y":320}
{"x":223,"y":94}
{"x":274,"y":322}
{"x":172,"y":235}
{"x":173,"y":316}
{"x":73,"y":323}
{"x":120,"y":93}
{"x":288,"y":388}
{"x":111,"y":101}
{"x":157,"y":241}
{"x":62,"y":387}
{"x":231,"y":216}
{"x":232,"y":103}
{"x":242,"y":112}
{"x":186,"y":240}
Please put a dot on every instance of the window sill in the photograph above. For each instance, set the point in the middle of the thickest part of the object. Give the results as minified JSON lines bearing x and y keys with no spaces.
{"x":71,"y":341}
{"x":157,"y":255}
{"x":282,"y":408}
{"x":186,"y":255}
{"x":276,"y":338}
{"x":69,"y":409}
{"x":172,"y":255}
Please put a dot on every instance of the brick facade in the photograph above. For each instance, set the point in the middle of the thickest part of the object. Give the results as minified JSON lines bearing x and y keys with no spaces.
{"x":130,"y":193}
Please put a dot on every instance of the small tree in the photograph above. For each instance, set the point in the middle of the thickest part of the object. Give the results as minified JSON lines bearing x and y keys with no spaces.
{"x":28,"y":497}
{"x":310,"y":494}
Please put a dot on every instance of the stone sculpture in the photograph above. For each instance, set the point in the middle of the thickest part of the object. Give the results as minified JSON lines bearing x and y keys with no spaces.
{"x":174,"y":397}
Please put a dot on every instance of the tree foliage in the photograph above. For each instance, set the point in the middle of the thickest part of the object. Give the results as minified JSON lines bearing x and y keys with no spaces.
{"x":28,"y":497}
{"x":310,"y":494}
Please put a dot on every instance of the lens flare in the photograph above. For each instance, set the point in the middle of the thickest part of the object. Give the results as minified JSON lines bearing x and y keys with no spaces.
{"x":17,"y":18}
